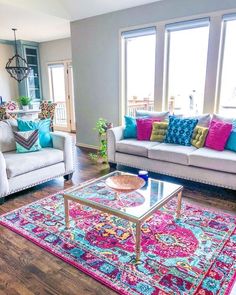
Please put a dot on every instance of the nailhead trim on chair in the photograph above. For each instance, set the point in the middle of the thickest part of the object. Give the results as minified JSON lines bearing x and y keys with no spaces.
{"x":174,"y":175}
{"x":37,"y":183}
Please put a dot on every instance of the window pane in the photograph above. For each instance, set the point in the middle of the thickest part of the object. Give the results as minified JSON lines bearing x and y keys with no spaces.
{"x":228,"y":78}
{"x":58,"y":93}
{"x":187,"y":70}
{"x":140,"y":73}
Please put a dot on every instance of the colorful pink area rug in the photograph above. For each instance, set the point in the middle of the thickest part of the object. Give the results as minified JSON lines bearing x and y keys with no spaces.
{"x":193,"y":255}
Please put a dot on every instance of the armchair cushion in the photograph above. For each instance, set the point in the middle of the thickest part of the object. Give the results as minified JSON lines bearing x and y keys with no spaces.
{"x":7,"y":139}
{"x":17,"y":164}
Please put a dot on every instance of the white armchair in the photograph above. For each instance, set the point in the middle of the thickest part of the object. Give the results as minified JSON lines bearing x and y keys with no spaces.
{"x":20,"y":171}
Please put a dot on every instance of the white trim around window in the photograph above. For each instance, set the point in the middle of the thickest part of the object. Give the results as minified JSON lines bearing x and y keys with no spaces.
{"x":214,"y":57}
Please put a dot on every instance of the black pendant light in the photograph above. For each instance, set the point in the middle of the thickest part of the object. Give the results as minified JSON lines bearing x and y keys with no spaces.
{"x":17,"y":66}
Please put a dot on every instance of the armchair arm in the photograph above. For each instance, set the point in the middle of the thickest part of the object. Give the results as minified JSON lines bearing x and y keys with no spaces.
{"x":64,"y":143}
{"x":113,"y":135}
{"x":4,"y":185}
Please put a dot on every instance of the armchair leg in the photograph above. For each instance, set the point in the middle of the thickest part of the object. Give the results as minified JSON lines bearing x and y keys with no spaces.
{"x":112,"y":165}
{"x":68,"y":176}
{"x":2,"y":200}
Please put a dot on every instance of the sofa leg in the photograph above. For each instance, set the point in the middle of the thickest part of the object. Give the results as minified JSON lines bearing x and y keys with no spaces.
{"x":68,"y":176}
{"x":112,"y":165}
{"x":2,"y":200}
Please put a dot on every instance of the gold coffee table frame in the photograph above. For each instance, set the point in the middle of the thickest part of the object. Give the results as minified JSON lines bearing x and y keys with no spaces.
{"x":121,"y":214}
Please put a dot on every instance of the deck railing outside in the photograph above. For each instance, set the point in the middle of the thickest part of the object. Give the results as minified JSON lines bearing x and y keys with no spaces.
{"x":135,"y":104}
{"x":60,"y":114}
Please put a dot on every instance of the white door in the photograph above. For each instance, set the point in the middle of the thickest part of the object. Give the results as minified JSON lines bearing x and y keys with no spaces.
{"x":61,"y":92}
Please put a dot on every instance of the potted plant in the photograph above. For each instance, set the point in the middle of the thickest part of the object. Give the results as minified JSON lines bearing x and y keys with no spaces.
{"x":101,"y":127}
{"x":24,"y":102}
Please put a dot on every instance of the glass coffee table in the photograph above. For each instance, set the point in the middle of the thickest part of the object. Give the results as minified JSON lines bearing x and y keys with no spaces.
{"x":135,"y":207}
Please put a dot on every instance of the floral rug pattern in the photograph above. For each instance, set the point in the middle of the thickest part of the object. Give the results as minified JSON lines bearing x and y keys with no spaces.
{"x":193,"y":255}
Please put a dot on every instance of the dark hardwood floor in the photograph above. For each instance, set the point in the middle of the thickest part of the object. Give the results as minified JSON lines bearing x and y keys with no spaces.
{"x":27,"y":269}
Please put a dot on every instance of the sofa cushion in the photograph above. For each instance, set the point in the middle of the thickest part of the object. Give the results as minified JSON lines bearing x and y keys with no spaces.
{"x":215,"y":160}
{"x":134,"y":147}
{"x":218,"y":117}
{"x":162,"y":116}
{"x":7,"y":139}
{"x":171,"y":153}
{"x":18,"y":164}
{"x":203,"y":120}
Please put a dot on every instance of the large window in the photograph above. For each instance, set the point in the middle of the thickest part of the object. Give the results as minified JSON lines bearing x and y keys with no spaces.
{"x":186,"y":66}
{"x":139,"y":69}
{"x":227,"y":104}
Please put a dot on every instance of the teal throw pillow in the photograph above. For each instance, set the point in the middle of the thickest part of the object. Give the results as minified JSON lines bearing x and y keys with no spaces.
{"x":180,"y":130}
{"x":27,"y":141}
{"x":231,"y":143}
{"x":43,"y":126}
{"x":130,"y":130}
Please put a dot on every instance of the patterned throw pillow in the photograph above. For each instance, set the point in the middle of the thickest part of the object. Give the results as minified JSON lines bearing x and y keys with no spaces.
{"x":43,"y":126}
{"x":180,"y":130}
{"x":199,"y":136}
{"x":27,"y":141}
{"x":159,"y":130}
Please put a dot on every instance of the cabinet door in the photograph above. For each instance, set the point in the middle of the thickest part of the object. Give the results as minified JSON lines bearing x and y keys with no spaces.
{"x":33,"y":80}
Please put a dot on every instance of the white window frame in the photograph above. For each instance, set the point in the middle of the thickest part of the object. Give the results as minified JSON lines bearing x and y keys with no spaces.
{"x":224,"y":19}
{"x":214,"y":59}
{"x":124,"y":36}
{"x":173,"y":27}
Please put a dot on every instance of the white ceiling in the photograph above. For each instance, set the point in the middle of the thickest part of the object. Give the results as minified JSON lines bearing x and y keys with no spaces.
{"x":38,"y":20}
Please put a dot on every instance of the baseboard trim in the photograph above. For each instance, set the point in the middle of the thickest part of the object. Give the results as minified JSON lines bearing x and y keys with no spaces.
{"x":88,"y":146}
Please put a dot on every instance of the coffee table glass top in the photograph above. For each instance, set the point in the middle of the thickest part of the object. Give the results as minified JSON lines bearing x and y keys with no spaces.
{"x":134,"y":205}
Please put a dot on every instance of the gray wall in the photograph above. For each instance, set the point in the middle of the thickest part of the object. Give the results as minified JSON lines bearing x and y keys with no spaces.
{"x":95,"y":56}
{"x":52,"y":51}
{"x":8,"y":85}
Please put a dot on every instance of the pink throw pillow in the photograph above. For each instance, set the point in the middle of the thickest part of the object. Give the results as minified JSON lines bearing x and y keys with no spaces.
{"x":218,"y":135}
{"x":144,"y":128}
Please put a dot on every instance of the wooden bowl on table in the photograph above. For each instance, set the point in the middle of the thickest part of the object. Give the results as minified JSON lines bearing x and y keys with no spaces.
{"x":125,"y":183}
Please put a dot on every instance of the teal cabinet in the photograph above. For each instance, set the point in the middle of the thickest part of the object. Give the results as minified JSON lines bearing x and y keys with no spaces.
{"x":31,"y":86}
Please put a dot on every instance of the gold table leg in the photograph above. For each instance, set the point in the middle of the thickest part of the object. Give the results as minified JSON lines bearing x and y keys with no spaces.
{"x":138,"y":241}
{"x":178,"y":210}
{"x":66,"y":206}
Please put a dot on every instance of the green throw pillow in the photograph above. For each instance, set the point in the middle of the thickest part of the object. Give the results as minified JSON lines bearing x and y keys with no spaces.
{"x":199,"y":136}
{"x":159,"y":130}
{"x":27,"y":141}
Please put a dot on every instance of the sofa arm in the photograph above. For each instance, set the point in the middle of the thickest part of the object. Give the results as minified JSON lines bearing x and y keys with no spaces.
{"x":113,"y":135}
{"x":4,"y":185}
{"x":63,"y":142}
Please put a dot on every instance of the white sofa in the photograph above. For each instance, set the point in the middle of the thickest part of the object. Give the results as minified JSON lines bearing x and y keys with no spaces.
{"x":202,"y":165}
{"x":19,"y":171}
